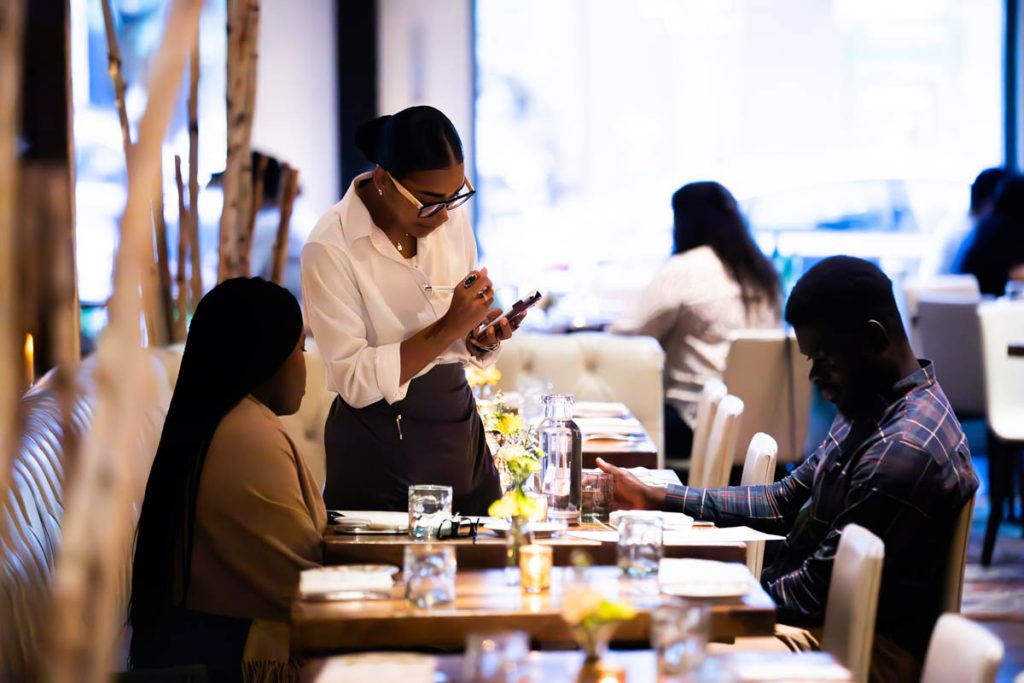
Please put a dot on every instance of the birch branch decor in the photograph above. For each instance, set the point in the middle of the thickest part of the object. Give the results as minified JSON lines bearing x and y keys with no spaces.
{"x":242,"y":56}
{"x":181,"y":302}
{"x":116,"y":76}
{"x":193,"y":176}
{"x":289,"y":190}
{"x":99,"y":518}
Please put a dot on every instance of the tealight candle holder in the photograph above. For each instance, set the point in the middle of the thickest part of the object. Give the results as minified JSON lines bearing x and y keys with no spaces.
{"x":535,"y":567}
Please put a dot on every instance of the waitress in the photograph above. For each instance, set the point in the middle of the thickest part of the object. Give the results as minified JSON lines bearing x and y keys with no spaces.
{"x":393,"y":298}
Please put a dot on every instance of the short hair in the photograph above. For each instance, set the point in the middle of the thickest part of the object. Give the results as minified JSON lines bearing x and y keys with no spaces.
{"x":844,"y":292}
{"x":985,"y":185}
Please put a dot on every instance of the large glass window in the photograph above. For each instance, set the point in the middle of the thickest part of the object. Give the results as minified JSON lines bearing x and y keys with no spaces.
{"x":843,"y":126}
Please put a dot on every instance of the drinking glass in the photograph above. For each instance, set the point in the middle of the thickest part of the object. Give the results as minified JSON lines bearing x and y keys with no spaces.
{"x":428,"y":506}
{"x":598,"y":490}
{"x":531,"y":406}
{"x":640,"y":537}
{"x":429,"y":570}
{"x":679,"y":635}
{"x":495,"y":657}
{"x":1014,"y":289}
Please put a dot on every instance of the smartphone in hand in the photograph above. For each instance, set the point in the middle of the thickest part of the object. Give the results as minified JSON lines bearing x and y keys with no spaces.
{"x":514,"y":310}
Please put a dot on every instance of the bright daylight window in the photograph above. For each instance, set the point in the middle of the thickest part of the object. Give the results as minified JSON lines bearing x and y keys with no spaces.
{"x":843,"y":126}
{"x":101,"y":182}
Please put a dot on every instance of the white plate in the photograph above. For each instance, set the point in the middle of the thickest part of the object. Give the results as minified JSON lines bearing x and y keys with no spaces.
{"x":539,"y":529}
{"x":707,"y":589}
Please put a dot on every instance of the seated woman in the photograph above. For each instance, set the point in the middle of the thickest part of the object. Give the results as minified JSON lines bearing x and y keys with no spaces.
{"x":231,"y":513}
{"x":716,"y":281}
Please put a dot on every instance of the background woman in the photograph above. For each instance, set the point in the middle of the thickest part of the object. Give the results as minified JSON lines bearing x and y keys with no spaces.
{"x":392,"y":296}
{"x":716,"y":281}
{"x":231,"y":513}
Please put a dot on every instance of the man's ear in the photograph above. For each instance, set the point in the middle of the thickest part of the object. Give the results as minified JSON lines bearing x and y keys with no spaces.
{"x":876,"y":337}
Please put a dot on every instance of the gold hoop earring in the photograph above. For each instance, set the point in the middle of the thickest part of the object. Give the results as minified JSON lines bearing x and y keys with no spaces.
{"x":380,"y":191}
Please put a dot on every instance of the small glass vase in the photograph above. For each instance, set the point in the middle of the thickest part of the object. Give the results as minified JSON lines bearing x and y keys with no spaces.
{"x":594,"y":640}
{"x":518,"y":535}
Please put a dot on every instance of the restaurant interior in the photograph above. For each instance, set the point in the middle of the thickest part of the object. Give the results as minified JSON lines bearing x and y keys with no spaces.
{"x":684,"y":258}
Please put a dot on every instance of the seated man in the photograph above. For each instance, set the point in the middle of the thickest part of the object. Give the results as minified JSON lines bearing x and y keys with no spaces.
{"x":895,"y":461}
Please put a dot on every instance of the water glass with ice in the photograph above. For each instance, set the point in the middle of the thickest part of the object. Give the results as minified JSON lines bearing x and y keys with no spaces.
{"x":679,"y":635}
{"x":640,"y":542}
{"x":429,"y":570}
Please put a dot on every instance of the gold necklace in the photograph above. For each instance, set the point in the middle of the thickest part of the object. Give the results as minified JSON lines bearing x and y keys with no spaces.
{"x":398,"y":245}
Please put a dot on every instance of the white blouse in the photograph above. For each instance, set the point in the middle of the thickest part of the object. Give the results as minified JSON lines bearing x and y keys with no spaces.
{"x":362,"y":299}
{"x":691,"y":306}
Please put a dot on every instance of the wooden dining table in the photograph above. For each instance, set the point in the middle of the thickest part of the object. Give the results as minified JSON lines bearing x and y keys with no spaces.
{"x":484,"y":601}
{"x":637,"y":666}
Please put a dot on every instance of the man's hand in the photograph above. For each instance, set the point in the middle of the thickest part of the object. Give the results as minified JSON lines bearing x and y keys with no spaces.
{"x":630,"y":492}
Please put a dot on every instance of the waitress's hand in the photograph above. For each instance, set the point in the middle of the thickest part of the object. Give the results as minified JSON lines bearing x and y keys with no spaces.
{"x":470,"y":305}
{"x":494,"y":334}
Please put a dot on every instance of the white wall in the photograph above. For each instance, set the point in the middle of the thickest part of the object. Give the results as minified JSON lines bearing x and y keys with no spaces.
{"x":296,"y":116}
{"x":425,"y":56}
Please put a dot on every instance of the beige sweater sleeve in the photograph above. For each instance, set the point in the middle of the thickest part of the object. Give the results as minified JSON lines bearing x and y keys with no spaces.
{"x":259,"y":518}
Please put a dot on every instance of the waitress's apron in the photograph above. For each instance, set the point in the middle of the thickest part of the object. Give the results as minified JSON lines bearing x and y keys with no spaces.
{"x":432,"y":436}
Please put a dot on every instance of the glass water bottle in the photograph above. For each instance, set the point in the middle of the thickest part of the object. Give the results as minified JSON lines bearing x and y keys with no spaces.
{"x":562,"y":469}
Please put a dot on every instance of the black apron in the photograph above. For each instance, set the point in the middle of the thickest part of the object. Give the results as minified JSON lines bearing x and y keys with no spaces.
{"x":432,"y":436}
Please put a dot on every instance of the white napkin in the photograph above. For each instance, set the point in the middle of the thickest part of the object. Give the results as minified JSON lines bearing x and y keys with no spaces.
{"x":587,"y":409}
{"x":648,"y":477}
{"x":346,"y":582}
{"x":685,"y":570}
{"x":378,"y":667}
{"x":609,"y":425}
{"x":671,"y":521}
{"x":377,"y":520}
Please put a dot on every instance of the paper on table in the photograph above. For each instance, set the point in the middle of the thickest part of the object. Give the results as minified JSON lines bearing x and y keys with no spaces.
{"x":378,"y":667}
{"x":609,"y":425}
{"x":378,"y":520}
{"x":342,"y":582}
{"x":671,"y":521}
{"x":694,"y":536}
{"x":686,"y":570}
{"x":661,"y":478}
{"x":587,"y":409}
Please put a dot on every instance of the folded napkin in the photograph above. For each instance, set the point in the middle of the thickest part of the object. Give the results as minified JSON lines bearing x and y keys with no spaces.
{"x":609,"y":425}
{"x":353,"y":582}
{"x":671,"y":521}
{"x":378,"y":667}
{"x":587,"y":409}
{"x":651,"y":478}
{"x":783,"y":666}
{"x":375,"y":520}
{"x":678,"y":570}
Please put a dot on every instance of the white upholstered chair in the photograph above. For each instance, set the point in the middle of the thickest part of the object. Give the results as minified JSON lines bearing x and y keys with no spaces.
{"x":849,"y":629}
{"x":950,"y":336}
{"x":1002,"y":326}
{"x":593,"y":366}
{"x":765,"y":369}
{"x":707,"y":408}
{"x":956,"y":561}
{"x":759,"y":468}
{"x":917,"y":287}
{"x":721,"y":446}
{"x":961,"y":651}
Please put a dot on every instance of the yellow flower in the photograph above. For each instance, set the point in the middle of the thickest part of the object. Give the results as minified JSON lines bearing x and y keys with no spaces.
{"x":585,"y":606}
{"x":509,"y":424}
{"x":515,"y":503}
{"x":480,"y":376}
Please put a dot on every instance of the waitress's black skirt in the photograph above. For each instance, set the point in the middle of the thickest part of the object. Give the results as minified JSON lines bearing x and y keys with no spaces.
{"x":432,"y":436}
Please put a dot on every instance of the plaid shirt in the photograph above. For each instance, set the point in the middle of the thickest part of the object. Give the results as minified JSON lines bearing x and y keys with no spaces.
{"x":904,"y":474}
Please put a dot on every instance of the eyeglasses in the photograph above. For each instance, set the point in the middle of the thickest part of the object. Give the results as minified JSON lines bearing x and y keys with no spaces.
{"x":458,"y":527}
{"x":428,"y":210}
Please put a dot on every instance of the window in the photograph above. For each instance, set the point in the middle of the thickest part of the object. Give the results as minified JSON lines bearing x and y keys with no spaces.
{"x":841,"y":125}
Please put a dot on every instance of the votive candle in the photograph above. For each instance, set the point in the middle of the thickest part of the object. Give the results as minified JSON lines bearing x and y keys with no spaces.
{"x":535,"y":567}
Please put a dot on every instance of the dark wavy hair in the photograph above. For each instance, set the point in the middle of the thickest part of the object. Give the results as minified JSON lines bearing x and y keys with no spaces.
{"x":706,"y":214}
{"x":415,"y":139}
{"x":242,"y":332}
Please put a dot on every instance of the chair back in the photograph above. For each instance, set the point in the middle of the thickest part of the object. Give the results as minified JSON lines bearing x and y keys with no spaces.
{"x":721,"y":444}
{"x":950,"y":336}
{"x":849,"y":629}
{"x":917,"y":287}
{"x":764,"y":369}
{"x":961,"y":651}
{"x":707,"y":408}
{"x":1002,"y":327}
{"x":759,"y":468}
{"x":956,"y":561}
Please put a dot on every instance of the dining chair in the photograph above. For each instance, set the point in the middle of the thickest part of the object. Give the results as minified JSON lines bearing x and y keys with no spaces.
{"x":1002,"y":348}
{"x":721,"y":445}
{"x":849,"y":629}
{"x":758,"y":468}
{"x":914,"y":289}
{"x":961,"y":651}
{"x":707,"y":407}
{"x":957,"y":357}
{"x":956,"y":560}
{"x":764,"y":368}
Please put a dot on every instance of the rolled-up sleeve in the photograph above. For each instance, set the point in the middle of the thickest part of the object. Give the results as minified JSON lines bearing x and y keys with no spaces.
{"x":361,"y":374}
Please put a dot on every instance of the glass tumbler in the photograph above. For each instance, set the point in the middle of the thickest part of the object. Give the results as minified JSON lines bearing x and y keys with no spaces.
{"x":429,"y":570}
{"x":429,"y":505}
{"x":640,"y":539}
{"x":598,"y":490}
{"x":495,"y":657}
{"x":679,"y":635}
